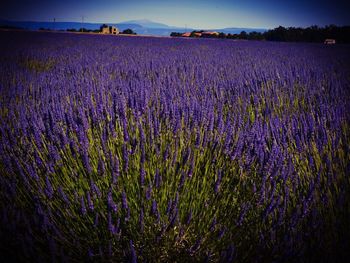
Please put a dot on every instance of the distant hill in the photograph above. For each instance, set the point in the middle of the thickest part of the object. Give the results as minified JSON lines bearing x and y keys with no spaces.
{"x":123,"y":26}
{"x":146,"y":23}
{"x":141,"y":27}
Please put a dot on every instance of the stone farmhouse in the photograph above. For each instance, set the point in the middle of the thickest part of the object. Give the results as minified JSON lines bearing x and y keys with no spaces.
{"x":105,"y":29}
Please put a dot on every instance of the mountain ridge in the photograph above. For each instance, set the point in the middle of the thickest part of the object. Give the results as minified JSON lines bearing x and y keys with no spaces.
{"x":146,"y":23}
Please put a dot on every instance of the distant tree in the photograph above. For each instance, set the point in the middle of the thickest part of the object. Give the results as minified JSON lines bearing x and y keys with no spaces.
{"x":103,"y":26}
{"x":290,"y":34}
{"x":128,"y":32}
{"x":11,"y":27}
{"x":82,"y":29}
{"x":243,"y":35}
{"x":309,"y":34}
{"x":175,"y":34}
{"x":222,"y":35}
{"x":232,"y":36}
{"x":255,"y":36}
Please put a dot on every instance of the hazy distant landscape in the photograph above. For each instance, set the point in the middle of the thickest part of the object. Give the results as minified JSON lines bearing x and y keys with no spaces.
{"x":142,"y":27}
{"x":327,"y":34}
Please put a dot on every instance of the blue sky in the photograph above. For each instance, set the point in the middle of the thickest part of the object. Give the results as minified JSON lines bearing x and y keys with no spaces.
{"x":195,"y":14}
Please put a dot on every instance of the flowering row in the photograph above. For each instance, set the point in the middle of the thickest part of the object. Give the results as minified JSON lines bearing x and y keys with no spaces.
{"x":144,"y":149}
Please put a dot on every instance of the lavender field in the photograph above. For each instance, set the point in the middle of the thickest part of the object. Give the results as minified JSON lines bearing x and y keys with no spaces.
{"x":139,"y":149}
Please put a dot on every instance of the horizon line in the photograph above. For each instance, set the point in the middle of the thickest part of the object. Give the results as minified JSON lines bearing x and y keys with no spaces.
{"x":170,"y":26}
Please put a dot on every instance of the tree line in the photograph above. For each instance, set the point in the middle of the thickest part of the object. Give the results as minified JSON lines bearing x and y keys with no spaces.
{"x":288,"y":34}
{"x":127,"y":31}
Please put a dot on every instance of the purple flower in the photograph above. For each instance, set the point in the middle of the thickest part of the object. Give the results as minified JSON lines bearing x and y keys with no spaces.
{"x":83,"y":207}
{"x":125,"y":129}
{"x":213,"y":225}
{"x":189,"y":217}
{"x":157,"y":179}
{"x":90,"y":253}
{"x":222,"y":232}
{"x":177,"y":122}
{"x":154,"y":210}
{"x":124,"y":201}
{"x":182,"y":181}
{"x":141,"y":220}
{"x":96,"y":220}
{"x":174,"y":217}
{"x":196,"y":245}
{"x":192,"y":163}
{"x":86,"y":162}
{"x":142,"y":174}
{"x":95,"y":189}
{"x":111,"y":203}
{"x":73,"y":147}
{"x":230,"y":254}
{"x":166,"y":153}
{"x":125,"y":157}
{"x":89,"y":201}
{"x":175,"y":154}
{"x":133,"y":257}
{"x":211,"y":121}
{"x":111,"y":227}
{"x":198,"y":139}
{"x":186,"y":155}
{"x":32,"y":172}
{"x":149,"y":192}
{"x":143,"y":154}
{"x":63,"y":195}
{"x":53,"y":153}
{"x":101,"y":167}
{"x":218,"y":181}
{"x":242,"y":214}
{"x":117,"y":227}
{"x":49,"y":189}
{"x":142,"y":134}
{"x":168,"y":209}
{"x":115,"y":170}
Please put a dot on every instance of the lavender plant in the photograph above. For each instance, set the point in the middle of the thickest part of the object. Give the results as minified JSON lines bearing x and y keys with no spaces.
{"x":168,"y":150}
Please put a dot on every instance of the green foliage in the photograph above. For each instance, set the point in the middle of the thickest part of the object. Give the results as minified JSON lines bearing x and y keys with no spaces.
{"x":175,"y":34}
{"x":128,"y":32}
{"x":37,"y":65}
{"x":309,"y":34}
{"x":290,"y":34}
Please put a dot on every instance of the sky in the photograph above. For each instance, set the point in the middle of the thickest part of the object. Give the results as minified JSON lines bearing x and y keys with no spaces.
{"x":182,"y":13}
